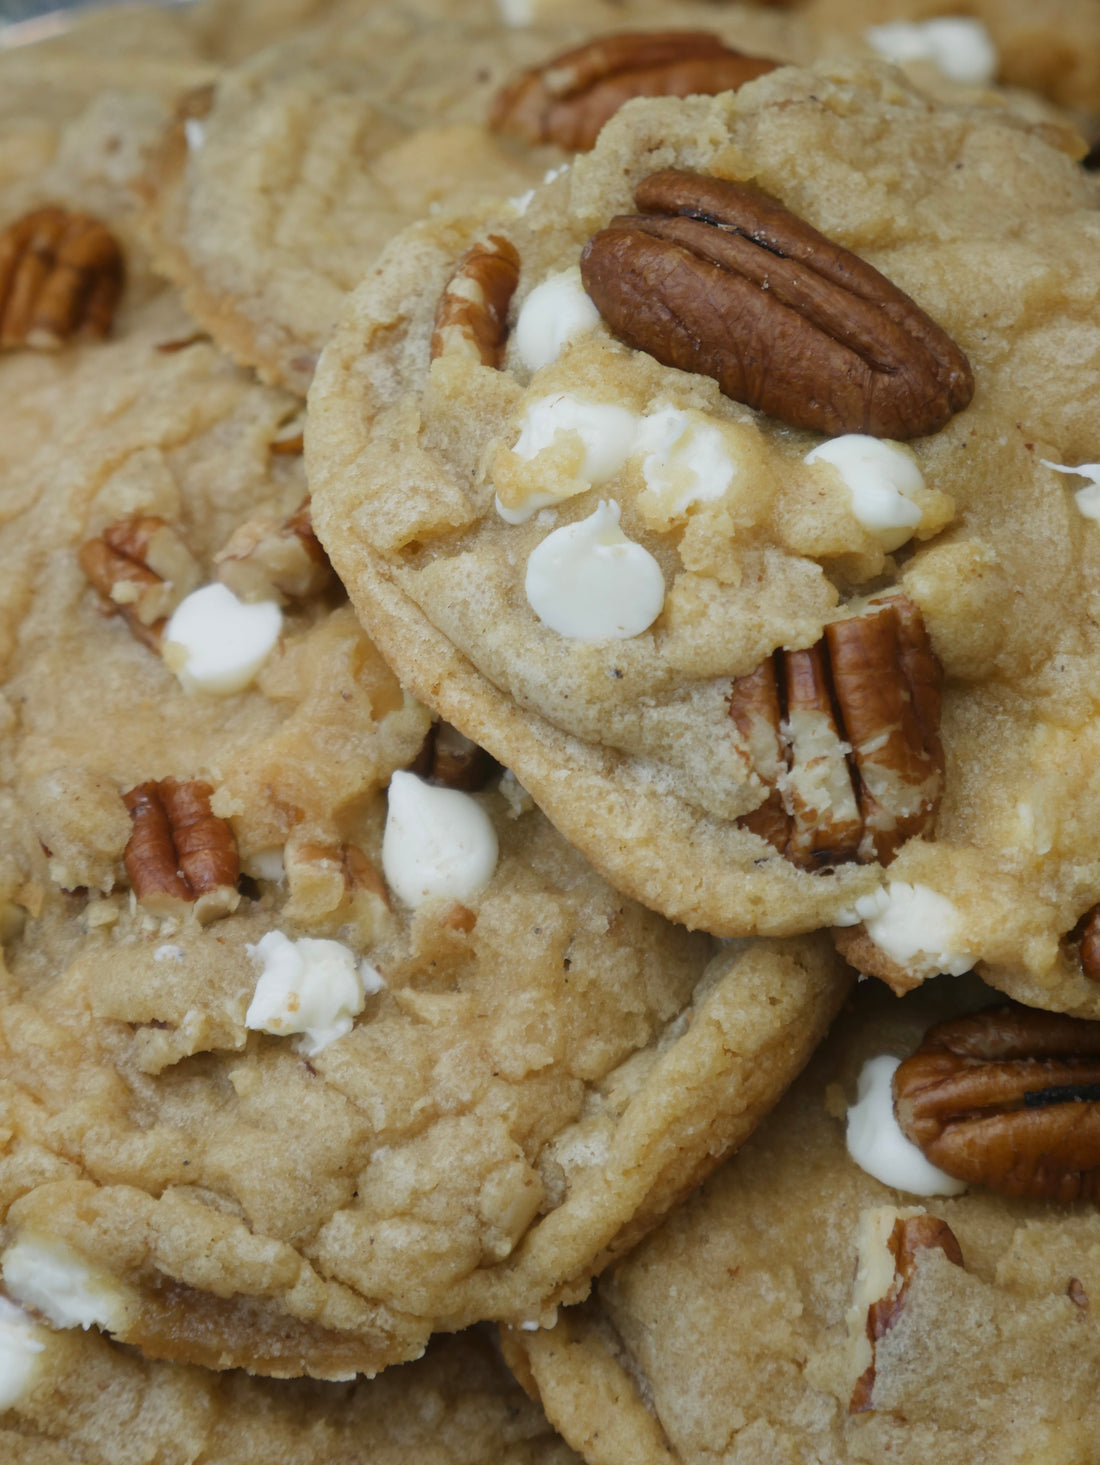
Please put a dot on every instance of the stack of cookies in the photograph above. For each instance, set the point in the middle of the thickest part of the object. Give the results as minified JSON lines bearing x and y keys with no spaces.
{"x":540,"y":542}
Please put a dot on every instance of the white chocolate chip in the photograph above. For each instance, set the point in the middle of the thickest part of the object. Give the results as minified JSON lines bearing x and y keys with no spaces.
{"x":606,"y":436}
{"x":22,"y":1342}
{"x":53,"y":1279}
{"x":881,"y":478}
{"x":687,"y":460}
{"x":876,"y":1143}
{"x":959,"y":46}
{"x":589,"y":582}
{"x":553,"y":314}
{"x":309,"y":986}
{"x":1088,"y":498}
{"x":194,"y":132}
{"x":438,"y":842}
{"x":216,"y":643}
{"x":916,"y":927}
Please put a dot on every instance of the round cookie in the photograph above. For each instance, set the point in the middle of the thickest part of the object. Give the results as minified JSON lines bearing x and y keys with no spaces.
{"x":740,"y":1329}
{"x":444,"y":487}
{"x":79,"y":1397}
{"x":277,"y":188}
{"x":228,"y":1143}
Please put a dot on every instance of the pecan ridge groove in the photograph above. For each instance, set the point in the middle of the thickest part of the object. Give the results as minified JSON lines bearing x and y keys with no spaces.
{"x":60,"y":273}
{"x":715,"y":277}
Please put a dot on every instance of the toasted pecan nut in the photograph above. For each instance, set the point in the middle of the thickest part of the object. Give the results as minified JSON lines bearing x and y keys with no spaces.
{"x":142,"y":569}
{"x":1008,"y":1098}
{"x":1088,"y":943}
{"x":60,"y":273}
{"x":845,"y":737}
{"x":449,"y":758}
{"x":179,"y":850}
{"x":472,"y":314}
{"x":268,"y":560}
{"x":910,"y":1236}
{"x":568,"y":99}
{"x":715,"y":277}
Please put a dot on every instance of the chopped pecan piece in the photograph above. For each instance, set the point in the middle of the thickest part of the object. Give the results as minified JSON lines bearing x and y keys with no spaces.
{"x":449,"y":758}
{"x":179,"y":851}
{"x":911,"y":1234}
{"x":332,"y":885}
{"x":60,"y":273}
{"x":715,"y":277}
{"x":1086,"y":935}
{"x":268,"y":560}
{"x":568,"y":99}
{"x":143,"y":570}
{"x":845,"y":737}
{"x":1008,"y":1098}
{"x":473,"y":309}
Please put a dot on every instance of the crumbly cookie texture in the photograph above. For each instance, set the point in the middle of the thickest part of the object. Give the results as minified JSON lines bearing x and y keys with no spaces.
{"x":83,"y":1396}
{"x":275,"y":190}
{"x":437,"y":480}
{"x":741,"y":1327}
{"x":275,"y":1096}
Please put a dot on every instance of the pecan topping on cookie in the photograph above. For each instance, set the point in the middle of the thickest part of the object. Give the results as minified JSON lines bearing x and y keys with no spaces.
{"x":179,"y":850}
{"x":1008,"y":1098}
{"x":845,"y":737}
{"x":473,"y":309}
{"x":717,"y":278}
{"x":268,"y":560}
{"x":143,"y":569}
{"x":60,"y":273}
{"x":910,"y":1236}
{"x":1087,"y":937}
{"x":449,"y":758}
{"x":568,"y":99}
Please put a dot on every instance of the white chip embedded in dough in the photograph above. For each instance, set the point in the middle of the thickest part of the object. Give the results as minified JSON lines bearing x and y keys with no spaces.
{"x":589,"y":582}
{"x":217,"y":643}
{"x":877,"y":1144}
{"x":438,"y":842}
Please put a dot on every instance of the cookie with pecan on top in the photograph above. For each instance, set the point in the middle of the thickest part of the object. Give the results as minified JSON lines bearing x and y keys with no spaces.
{"x":710,"y":489}
{"x":800,"y":1306}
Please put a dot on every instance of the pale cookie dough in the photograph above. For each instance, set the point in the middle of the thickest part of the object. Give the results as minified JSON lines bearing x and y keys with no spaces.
{"x":276,"y":189}
{"x":77,"y":1397}
{"x":440,"y":489}
{"x":738,"y":1331}
{"x":418,"y":1066}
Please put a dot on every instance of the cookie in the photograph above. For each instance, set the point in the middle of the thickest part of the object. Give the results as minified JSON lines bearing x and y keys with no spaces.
{"x":77,"y":1396}
{"x":780,"y":1315}
{"x":303,"y":1055}
{"x":708,"y":636}
{"x":276,"y":190}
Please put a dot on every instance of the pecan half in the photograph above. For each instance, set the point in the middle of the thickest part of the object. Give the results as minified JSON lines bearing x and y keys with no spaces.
{"x":715,"y":277}
{"x":60,"y":273}
{"x":1008,"y":1098}
{"x":143,"y":569}
{"x":1086,"y":937}
{"x":472,"y":312}
{"x":845,"y":738}
{"x":449,"y":758}
{"x":568,"y":99}
{"x":268,"y":560}
{"x":179,"y":851}
{"x":909,"y":1237}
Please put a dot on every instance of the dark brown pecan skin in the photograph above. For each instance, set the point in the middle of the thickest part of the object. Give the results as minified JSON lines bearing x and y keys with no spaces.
{"x":474,"y":304}
{"x":568,"y":99}
{"x":1088,"y":948}
{"x":716,"y":278}
{"x":1008,"y":1098}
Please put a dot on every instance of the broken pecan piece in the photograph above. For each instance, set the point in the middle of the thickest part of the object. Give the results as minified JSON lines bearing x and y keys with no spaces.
{"x":568,"y":99}
{"x":60,"y":273}
{"x":473,"y":309}
{"x":268,"y":560}
{"x":1008,"y":1098}
{"x":179,"y":851}
{"x":845,"y":737}
{"x":715,"y":277}
{"x":1086,"y":935}
{"x":143,"y":569}
{"x":910,"y":1236}
{"x":449,"y":758}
